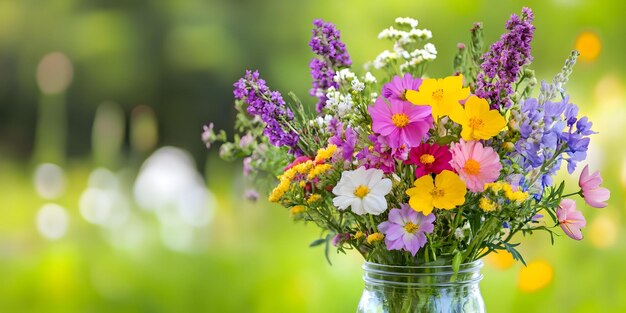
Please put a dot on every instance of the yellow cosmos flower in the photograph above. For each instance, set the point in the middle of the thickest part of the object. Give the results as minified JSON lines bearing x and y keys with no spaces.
{"x":442,"y":95}
{"x":477,"y":120}
{"x":446,"y":192}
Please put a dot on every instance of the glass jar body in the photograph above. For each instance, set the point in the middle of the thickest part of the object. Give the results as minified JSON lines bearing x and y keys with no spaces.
{"x":400,"y":289}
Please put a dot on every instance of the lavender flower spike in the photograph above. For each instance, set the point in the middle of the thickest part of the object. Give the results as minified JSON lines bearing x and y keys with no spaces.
{"x":326,"y":42}
{"x":504,"y":60}
{"x":270,"y":107}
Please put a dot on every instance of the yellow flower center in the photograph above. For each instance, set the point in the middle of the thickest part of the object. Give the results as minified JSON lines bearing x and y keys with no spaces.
{"x":361,"y":191}
{"x":472,"y":167}
{"x":400,"y":119}
{"x":427,"y":158}
{"x":410,"y":228}
{"x":476,"y":122}
{"x":438,"y":95}
{"x":438,"y":193}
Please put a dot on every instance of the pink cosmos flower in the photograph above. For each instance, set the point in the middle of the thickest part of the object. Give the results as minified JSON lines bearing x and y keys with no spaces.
{"x":476,"y":165}
{"x":429,"y":159}
{"x":593,"y":194}
{"x":401,"y":123}
{"x":395,"y":90}
{"x":570,"y":219}
{"x":406,"y":229}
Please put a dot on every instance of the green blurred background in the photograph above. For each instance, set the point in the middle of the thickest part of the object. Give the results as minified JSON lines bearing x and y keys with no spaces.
{"x":109,"y":201}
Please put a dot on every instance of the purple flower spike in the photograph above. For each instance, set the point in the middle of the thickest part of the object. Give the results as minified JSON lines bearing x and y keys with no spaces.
{"x":504,"y":60}
{"x":270,"y":107}
{"x":326,"y":43}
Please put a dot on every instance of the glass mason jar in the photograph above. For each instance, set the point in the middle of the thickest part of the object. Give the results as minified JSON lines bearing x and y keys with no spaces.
{"x":401,"y":289}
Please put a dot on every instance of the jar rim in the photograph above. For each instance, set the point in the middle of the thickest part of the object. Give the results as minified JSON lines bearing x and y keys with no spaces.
{"x":423,"y":275}
{"x":476,"y":264}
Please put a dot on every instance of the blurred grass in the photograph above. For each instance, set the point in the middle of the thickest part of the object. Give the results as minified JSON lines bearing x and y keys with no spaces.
{"x":180,"y":59}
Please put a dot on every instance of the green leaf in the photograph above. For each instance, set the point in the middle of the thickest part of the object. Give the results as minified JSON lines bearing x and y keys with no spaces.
{"x":327,"y":249}
{"x":516,"y":255}
{"x":456,"y":264}
{"x":317,"y":242}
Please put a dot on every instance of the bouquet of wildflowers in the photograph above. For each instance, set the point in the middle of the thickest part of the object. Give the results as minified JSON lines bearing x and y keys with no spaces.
{"x":407,"y":169}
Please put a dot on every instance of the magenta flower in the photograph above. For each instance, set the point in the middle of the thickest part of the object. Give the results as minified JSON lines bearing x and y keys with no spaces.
{"x":593,"y":194}
{"x":345,"y":142}
{"x":570,"y":219}
{"x":406,"y":229}
{"x":339,"y":238}
{"x":380,"y":156}
{"x":476,"y":165}
{"x":395,"y":90}
{"x":401,"y":123}
{"x":429,"y":159}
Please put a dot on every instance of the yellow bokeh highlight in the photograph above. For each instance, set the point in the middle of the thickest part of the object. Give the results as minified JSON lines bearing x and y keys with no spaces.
{"x":603,"y":231}
{"x":535,"y":276}
{"x":500,"y":259}
{"x":589,"y":45}
{"x":609,"y":92}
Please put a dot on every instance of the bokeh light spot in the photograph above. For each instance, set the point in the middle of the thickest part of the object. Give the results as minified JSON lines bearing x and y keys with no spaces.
{"x":95,"y":205}
{"x":49,"y":180}
{"x":500,"y":259}
{"x":609,"y":92}
{"x":589,"y":45}
{"x":603,"y":231}
{"x":54,"y":73}
{"x":535,"y":276}
{"x":52,"y":221}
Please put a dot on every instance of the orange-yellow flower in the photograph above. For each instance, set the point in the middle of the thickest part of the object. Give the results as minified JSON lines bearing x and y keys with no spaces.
{"x":477,"y":120}
{"x":447,"y":191}
{"x":442,"y":95}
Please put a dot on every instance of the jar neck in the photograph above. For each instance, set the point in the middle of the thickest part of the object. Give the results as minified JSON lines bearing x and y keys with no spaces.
{"x":422,"y":276}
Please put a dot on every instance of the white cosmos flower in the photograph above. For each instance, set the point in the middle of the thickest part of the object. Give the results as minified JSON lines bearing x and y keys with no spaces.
{"x":363,"y":190}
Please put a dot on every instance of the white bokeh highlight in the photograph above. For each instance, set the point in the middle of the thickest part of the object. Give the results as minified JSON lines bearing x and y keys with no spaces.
{"x":52,"y":221}
{"x":169,"y":185}
{"x":49,"y":180}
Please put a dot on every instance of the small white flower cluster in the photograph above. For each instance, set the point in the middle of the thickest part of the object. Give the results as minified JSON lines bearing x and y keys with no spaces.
{"x":418,"y":56}
{"x":338,"y":102}
{"x":383,"y":59}
{"x":345,"y":76}
{"x":321,"y":122}
{"x":405,"y":46}
{"x":369,"y":78}
{"x":407,"y":21}
{"x":460,"y":233}
{"x":405,"y":37}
